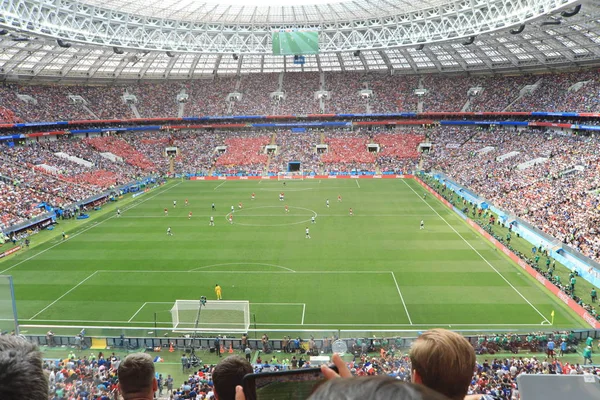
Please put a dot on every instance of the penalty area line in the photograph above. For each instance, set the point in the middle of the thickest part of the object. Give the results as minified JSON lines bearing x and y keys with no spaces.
{"x":218,"y":186}
{"x":401,"y":297}
{"x":356,"y":180}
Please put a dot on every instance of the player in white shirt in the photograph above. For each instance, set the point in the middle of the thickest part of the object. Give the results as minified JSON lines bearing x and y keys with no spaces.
{"x":312,"y":220}
{"x":174,"y":203}
{"x":118,"y":212}
{"x":307,"y":233}
{"x":422,"y":225}
{"x":169,"y":233}
{"x":232,"y":209}
{"x":327,"y":203}
{"x":212,"y":221}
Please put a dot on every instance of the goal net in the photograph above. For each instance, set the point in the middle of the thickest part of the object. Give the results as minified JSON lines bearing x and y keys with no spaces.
{"x":215,"y":316}
{"x":284,"y":176}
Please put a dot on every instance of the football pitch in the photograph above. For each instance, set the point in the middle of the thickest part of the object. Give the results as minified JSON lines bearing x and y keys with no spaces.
{"x":373,"y":271}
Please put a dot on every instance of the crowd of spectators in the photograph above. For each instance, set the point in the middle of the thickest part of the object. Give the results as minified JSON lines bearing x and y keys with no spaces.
{"x":345,"y":93}
{"x":245,"y":154}
{"x":552,"y":195}
{"x":296,"y":147}
{"x":571,"y":91}
{"x":300,"y":91}
{"x":256,"y":90}
{"x":556,"y":92}
{"x":156,"y":99}
{"x":119,"y":147}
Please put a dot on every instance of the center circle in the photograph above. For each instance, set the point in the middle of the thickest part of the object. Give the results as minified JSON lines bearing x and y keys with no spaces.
{"x":283,"y":214}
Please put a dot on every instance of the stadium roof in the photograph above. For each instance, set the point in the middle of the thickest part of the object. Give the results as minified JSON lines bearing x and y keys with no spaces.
{"x":97,"y":42}
{"x":266,"y":11}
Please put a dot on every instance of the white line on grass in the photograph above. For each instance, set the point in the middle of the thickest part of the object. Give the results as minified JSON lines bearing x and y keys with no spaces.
{"x":303,"y":312}
{"x":86,"y":229}
{"x":136,"y":313}
{"x":170,"y":324}
{"x":356,"y":180}
{"x":218,"y":186}
{"x":401,"y":297}
{"x":242,"y":272}
{"x":242,"y":263}
{"x":196,"y":216}
{"x":67,"y":292}
{"x":478,"y":253}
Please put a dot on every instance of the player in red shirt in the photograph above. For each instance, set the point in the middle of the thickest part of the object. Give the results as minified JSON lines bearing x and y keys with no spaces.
{"x":166,"y":212}
{"x":231,"y":218}
{"x":253,"y":196}
{"x":190,"y":215}
{"x":287,"y":210}
{"x":186,"y":202}
{"x":351,"y":213}
{"x":339,"y":198}
{"x":240,"y":205}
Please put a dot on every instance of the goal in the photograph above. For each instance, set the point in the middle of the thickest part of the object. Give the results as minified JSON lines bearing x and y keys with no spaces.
{"x":215,"y":316}
{"x":284,"y":176}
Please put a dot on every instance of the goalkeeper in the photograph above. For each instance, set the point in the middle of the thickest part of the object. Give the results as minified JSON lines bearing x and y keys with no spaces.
{"x":218,"y":291}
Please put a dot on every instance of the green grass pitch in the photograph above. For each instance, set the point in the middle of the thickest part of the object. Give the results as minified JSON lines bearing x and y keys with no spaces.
{"x":375,"y":270}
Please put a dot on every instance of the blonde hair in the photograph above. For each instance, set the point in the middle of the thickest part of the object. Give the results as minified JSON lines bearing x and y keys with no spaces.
{"x":445,"y":361}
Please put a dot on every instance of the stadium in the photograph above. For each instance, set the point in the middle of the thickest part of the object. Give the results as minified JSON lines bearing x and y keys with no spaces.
{"x":294,"y":177}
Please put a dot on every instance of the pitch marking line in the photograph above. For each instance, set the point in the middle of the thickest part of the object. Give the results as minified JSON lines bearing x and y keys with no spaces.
{"x":303,"y":313}
{"x":240,"y":272}
{"x":356,"y":180}
{"x":241,"y":263}
{"x":478,"y":253}
{"x":87,"y":229}
{"x":401,"y":297}
{"x":285,"y":215}
{"x":218,"y":186}
{"x":66,"y":293}
{"x":170,"y":324}
{"x":136,"y":313}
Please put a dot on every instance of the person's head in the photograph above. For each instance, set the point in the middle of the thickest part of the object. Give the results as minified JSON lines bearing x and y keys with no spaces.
{"x":137,"y":377}
{"x":228,"y":374}
{"x":373,"y":388}
{"x":444,"y":361}
{"x":21,"y":372}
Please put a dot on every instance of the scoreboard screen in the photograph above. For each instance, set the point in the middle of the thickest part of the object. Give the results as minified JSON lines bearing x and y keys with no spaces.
{"x":288,"y":42}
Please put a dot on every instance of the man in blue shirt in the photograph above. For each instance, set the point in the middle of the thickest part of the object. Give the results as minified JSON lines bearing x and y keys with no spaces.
{"x":563,"y":347}
{"x":550,"y":347}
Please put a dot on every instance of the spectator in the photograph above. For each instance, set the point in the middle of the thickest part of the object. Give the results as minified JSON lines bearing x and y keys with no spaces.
{"x":444,"y":361}
{"x":227,"y":374}
{"x":21,"y":373}
{"x":373,"y":388}
{"x":137,"y":377}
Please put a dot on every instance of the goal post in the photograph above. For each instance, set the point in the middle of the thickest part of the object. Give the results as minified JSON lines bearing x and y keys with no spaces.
{"x":214,"y":316}
{"x":284,"y":176}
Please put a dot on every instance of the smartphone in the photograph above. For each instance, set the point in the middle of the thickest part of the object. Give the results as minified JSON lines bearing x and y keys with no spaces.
{"x":297,"y":384}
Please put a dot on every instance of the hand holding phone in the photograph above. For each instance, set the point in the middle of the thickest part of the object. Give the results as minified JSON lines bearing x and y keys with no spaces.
{"x":295,"y":384}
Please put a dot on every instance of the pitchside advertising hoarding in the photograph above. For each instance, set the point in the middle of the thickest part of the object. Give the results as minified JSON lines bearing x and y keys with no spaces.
{"x":244,"y":178}
{"x":587,"y":317}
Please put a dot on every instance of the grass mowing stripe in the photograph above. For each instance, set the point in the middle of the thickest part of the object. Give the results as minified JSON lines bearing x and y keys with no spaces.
{"x":68,"y":291}
{"x":86,"y":229}
{"x":478,"y":253}
{"x":401,"y":298}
